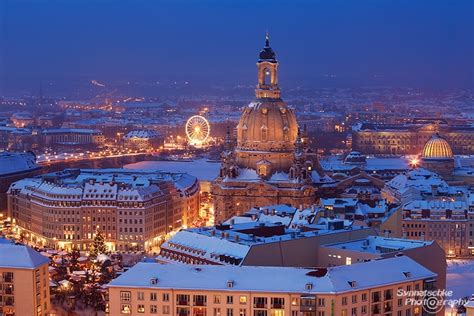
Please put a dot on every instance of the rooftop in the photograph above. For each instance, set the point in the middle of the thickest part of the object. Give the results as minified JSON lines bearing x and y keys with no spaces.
{"x":274,"y":279}
{"x":19,"y":256}
{"x":109,"y":184}
{"x":11,"y":163}
{"x":379,"y":245}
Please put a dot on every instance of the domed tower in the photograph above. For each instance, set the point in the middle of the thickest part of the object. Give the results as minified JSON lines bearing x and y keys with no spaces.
{"x":267,"y":129}
{"x":437,"y":156}
{"x":270,"y":163}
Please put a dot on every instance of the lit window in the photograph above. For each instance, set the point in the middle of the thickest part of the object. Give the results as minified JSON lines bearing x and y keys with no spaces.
{"x":125,"y":309}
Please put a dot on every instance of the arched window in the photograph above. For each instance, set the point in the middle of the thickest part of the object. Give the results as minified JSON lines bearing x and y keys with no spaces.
{"x":286,"y":135}
{"x":262,"y":170}
{"x":244,"y":132}
{"x":264,"y":132}
{"x":267,"y":76}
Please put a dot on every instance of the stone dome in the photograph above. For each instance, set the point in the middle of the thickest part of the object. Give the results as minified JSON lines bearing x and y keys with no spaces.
{"x":437,"y":148}
{"x":267,"y":125}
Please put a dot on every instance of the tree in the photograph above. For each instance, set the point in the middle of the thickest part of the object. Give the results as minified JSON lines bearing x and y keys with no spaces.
{"x":74,"y":262}
{"x":98,"y":244}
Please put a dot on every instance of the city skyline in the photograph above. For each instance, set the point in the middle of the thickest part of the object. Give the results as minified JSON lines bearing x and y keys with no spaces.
{"x":237,"y":158}
{"x":399,"y":44}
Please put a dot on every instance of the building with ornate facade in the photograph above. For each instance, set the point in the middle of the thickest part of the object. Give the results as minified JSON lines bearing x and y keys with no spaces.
{"x":410,"y":138}
{"x":132,"y":208}
{"x":437,"y":156}
{"x":271,"y":162}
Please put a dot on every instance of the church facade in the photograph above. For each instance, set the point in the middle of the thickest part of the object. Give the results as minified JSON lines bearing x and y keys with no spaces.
{"x":271,"y":162}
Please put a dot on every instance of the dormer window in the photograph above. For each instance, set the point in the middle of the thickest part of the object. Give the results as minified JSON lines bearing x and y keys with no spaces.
{"x":230,"y":284}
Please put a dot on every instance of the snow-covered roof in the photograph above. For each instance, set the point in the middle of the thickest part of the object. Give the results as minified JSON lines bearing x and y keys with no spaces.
{"x":203,"y":169}
{"x":71,"y":130}
{"x":379,"y":245}
{"x":337,"y":163}
{"x":206,"y":246}
{"x":338,"y":279}
{"x":436,"y":205}
{"x":145,"y":134}
{"x":11,"y":163}
{"x":20,"y":257}
{"x":419,"y":179}
{"x":104,"y":184}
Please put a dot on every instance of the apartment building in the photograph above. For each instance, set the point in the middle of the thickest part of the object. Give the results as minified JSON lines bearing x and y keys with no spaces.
{"x":369,"y":288}
{"x":132,"y":208}
{"x":24,"y":281}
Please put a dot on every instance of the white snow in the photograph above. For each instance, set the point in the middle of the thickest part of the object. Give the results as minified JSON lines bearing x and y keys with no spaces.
{"x":273,"y":279}
{"x":460,"y":278}
{"x":201,"y":168}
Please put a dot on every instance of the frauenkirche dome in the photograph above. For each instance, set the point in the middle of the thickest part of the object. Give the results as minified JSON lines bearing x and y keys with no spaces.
{"x":267,"y":129}
{"x":437,"y":148}
{"x":267,"y":125}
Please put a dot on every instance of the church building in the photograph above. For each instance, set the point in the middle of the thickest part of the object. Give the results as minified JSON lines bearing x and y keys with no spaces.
{"x":271,"y":162}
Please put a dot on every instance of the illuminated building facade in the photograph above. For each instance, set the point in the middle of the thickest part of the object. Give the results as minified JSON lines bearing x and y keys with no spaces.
{"x":271,"y":162}
{"x":24,"y":281}
{"x":443,"y":221}
{"x":437,"y":156}
{"x":72,"y":137}
{"x":368,"y":288}
{"x":143,"y":140}
{"x":132,"y":208}
{"x":410,"y":138}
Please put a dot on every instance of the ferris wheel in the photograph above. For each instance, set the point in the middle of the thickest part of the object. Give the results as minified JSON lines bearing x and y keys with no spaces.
{"x":197,"y":130}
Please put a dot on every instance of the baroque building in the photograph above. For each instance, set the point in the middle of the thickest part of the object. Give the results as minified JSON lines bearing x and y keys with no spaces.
{"x":437,"y":156}
{"x":134,"y":209}
{"x":271,"y":162}
{"x":410,"y":138}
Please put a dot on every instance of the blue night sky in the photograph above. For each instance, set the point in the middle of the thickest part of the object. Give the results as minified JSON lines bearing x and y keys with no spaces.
{"x":400,"y":43}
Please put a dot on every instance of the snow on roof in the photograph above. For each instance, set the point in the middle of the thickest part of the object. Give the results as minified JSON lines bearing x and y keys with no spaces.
{"x":420,"y":179}
{"x":247,"y":174}
{"x":279,"y":176}
{"x":11,"y":163}
{"x":203,"y":169}
{"x":20,"y":257}
{"x":379,"y":245}
{"x":304,"y":217}
{"x":71,"y":130}
{"x":364,"y":209}
{"x":436,"y":205}
{"x":147,"y":134}
{"x":207,"y":244}
{"x":273,"y":279}
{"x":337,"y":163}
{"x":104,"y":184}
